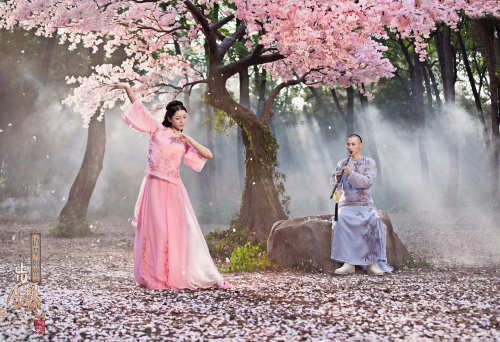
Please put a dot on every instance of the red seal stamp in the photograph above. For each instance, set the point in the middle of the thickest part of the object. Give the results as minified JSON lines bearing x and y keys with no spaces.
{"x":39,"y":326}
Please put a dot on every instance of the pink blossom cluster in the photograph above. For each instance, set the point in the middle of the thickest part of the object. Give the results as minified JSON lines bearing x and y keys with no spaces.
{"x":333,"y":42}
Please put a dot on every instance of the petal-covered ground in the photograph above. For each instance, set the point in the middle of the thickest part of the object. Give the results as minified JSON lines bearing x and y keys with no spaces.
{"x":88,"y":292}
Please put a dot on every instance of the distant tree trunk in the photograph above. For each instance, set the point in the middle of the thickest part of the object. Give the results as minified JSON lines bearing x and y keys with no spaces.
{"x":446,"y":61}
{"x":47,"y":58}
{"x":84,"y":184}
{"x":350,"y":111}
{"x":418,"y":105}
{"x":262,"y":91}
{"x":319,"y":100}
{"x":371,"y":135}
{"x":435,"y":87}
{"x":208,"y":178}
{"x":475,"y":93}
{"x":244,"y":101}
{"x":428,"y":89}
{"x":44,"y":78}
{"x":185,"y":99}
{"x":486,"y":30}
{"x":337,"y":103}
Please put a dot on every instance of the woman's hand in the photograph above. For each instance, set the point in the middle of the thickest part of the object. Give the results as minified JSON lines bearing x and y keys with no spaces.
{"x":130,"y":94}
{"x":182,"y":137}
{"x":119,"y":86}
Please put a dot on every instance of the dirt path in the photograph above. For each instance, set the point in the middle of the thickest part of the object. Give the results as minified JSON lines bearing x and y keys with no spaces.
{"x":89,"y":292}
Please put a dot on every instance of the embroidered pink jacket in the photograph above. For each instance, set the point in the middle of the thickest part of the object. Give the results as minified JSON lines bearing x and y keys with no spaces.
{"x":165,"y":153}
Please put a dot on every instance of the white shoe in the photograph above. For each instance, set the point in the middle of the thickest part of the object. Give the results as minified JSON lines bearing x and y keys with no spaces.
{"x":373,"y":269}
{"x":345,"y":269}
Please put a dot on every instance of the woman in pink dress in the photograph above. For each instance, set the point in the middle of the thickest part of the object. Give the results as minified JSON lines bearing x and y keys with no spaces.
{"x":170,"y":251}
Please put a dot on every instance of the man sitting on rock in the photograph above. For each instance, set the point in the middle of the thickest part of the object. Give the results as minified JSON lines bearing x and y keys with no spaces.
{"x":359,"y":234}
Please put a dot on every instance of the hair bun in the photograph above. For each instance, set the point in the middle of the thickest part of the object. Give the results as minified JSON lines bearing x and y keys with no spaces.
{"x":174,"y":104}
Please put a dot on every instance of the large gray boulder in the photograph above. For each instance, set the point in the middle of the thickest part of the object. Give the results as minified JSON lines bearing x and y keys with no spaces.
{"x":297,"y":240}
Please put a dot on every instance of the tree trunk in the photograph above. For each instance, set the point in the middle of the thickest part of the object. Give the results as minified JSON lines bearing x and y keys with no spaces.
{"x":418,"y":105}
{"x":446,"y":61}
{"x":262,"y":91}
{"x":486,"y":31}
{"x":44,"y":78}
{"x":244,"y":101}
{"x":337,"y":103}
{"x":350,"y":111}
{"x":371,"y":135}
{"x":446,"y":64}
{"x":475,"y":93}
{"x":83,"y":186}
{"x":208,"y":178}
{"x":428,"y":90}
{"x":261,"y":205}
{"x":439,"y":104}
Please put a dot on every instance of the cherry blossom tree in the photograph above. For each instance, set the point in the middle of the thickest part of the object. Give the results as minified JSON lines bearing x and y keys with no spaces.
{"x":310,"y":42}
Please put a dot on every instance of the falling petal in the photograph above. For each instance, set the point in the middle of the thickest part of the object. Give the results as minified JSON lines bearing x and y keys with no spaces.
{"x":13,"y":238}
{"x":329,"y":127}
{"x":124,"y":197}
{"x":234,"y":230}
{"x":47,"y":157}
{"x":34,"y":138}
{"x":91,"y":226}
{"x":10,"y":124}
{"x":183,"y":272}
{"x":22,"y":51}
{"x":53,"y":191}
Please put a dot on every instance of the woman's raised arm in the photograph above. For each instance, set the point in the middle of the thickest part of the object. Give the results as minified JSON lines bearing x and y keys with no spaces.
{"x":130,"y":94}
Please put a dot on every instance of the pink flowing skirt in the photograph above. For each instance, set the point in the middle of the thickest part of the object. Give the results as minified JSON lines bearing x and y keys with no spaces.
{"x":170,"y":251}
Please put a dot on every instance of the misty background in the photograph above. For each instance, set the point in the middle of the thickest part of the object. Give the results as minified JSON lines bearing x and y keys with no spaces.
{"x":42,"y":144}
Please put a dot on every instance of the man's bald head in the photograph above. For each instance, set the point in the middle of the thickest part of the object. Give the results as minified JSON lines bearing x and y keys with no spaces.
{"x":355,"y":136}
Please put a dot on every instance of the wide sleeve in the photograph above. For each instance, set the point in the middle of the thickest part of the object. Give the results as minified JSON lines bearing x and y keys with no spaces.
{"x":193,"y":158}
{"x":139,"y":118}
{"x":365,"y":180}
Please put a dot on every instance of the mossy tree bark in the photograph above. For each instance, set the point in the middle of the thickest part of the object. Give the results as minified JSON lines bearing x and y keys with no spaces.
{"x":261,"y":204}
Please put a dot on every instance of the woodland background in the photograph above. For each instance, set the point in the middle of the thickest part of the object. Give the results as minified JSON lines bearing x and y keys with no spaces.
{"x":43,"y":142}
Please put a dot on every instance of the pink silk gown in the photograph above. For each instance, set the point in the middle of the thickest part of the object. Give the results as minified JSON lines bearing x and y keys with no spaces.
{"x":170,"y":251}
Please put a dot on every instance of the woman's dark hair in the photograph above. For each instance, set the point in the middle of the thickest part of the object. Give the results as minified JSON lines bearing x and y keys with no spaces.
{"x":172,"y":108}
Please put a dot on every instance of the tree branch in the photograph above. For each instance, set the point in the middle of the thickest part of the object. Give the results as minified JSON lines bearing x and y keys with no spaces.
{"x":267,"y":112}
{"x":248,"y":61}
{"x":229,"y":41}
{"x":205,"y":27}
{"x":222,"y":22}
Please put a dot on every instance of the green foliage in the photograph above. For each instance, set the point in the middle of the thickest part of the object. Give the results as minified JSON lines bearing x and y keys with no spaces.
{"x":246,"y":258}
{"x":422,"y":262}
{"x":222,"y":242}
{"x":222,"y":121}
{"x":69,"y":228}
